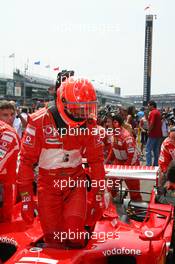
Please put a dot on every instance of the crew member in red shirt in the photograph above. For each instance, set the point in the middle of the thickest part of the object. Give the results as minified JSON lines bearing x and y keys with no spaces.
{"x":154,"y":134}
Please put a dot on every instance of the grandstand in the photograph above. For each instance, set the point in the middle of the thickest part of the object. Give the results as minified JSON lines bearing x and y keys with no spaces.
{"x":162,"y":100}
{"x":27,"y":89}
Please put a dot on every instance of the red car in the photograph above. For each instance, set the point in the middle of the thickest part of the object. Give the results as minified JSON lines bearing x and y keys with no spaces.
{"x":128,"y":232}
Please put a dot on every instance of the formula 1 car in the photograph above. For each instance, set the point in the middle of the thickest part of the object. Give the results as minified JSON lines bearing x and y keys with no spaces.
{"x":127,"y":231}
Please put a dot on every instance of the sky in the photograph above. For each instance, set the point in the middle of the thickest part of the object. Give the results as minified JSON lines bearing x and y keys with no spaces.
{"x":102,"y":40}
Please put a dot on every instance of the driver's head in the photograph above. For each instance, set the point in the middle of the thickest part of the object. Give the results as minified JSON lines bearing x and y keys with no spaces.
{"x":76,"y":101}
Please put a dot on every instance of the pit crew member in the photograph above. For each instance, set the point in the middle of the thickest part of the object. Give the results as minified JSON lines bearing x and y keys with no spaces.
{"x":167,"y":154}
{"x":166,"y":195}
{"x":124,"y":152}
{"x":9,"y":148}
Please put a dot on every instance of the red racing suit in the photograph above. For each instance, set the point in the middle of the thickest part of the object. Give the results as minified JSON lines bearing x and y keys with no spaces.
{"x":124,"y":152}
{"x":9,"y":148}
{"x":61,"y":190}
{"x":167,"y":154}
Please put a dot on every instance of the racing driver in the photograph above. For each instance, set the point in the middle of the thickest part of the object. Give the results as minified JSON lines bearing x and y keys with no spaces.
{"x":55,"y":138}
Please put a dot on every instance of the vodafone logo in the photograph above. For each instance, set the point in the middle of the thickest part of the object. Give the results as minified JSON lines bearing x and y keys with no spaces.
{"x":149,"y":233}
{"x":48,"y":130}
{"x":28,"y":139}
{"x":4,"y":144}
